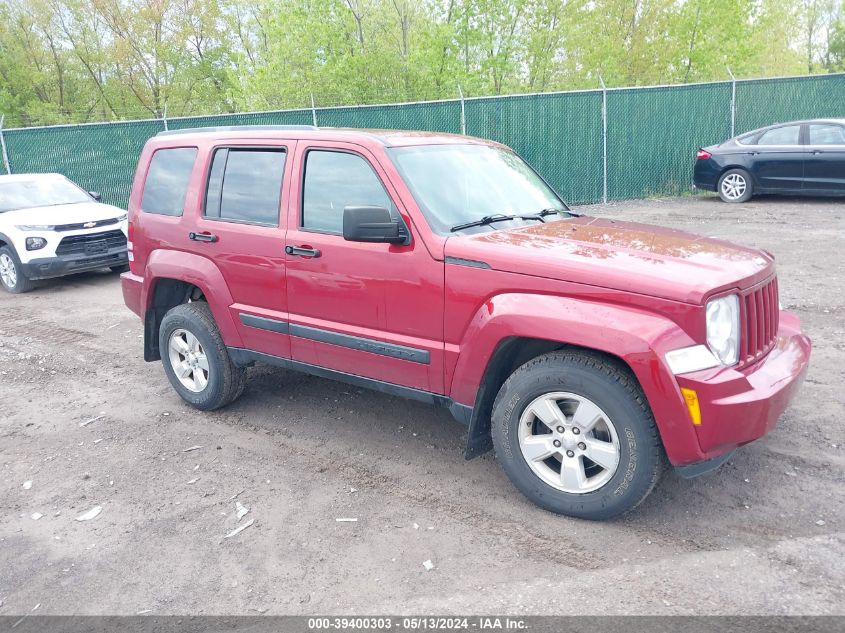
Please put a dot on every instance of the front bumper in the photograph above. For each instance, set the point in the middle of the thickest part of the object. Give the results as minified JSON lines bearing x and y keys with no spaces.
{"x":49,"y":267}
{"x":739,"y":406}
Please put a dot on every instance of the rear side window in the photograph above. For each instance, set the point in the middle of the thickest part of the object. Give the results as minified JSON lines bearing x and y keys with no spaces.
{"x":167,"y":180}
{"x":788,"y":135}
{"x":245,"y":185}
{"x":333,"y":181}
{"x":827,"y":135}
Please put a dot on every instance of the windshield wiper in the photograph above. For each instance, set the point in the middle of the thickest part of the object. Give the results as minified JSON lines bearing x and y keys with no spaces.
{"x":500,"y":217}
{"x":551,"y":211}
{"x":487,"y":219}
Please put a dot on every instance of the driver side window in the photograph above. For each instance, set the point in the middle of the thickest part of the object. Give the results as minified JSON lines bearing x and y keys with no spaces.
{"x":335,"y":180}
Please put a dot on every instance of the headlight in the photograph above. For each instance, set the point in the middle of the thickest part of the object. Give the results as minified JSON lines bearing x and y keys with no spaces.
{"x":34,"y":243}
{"x":35,"y":227}
{"x":723,"y":328}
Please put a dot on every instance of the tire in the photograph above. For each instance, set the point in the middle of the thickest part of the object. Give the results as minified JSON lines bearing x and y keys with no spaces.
{"x":214,"y":386}
{"x":735,"y":185}
{"x":12,"y":277}
{"x":119,"y":269}
{"x":622,"y":422}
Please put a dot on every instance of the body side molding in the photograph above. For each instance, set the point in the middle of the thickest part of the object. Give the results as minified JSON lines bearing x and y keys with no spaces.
{"x":381,"y":348}
{"x":263,"y":323}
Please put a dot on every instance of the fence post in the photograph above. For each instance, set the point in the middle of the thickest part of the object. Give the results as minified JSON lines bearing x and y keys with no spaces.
{"x":164,"y":117}
{"x":3,"y":145}
{"x":733,"y":103}
{"x":603,"y":139}
{"x":313,"y":111}
{"x":463,"y":112}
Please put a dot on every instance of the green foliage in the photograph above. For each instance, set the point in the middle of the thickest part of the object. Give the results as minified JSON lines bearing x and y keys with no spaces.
{"x":86,"y":60}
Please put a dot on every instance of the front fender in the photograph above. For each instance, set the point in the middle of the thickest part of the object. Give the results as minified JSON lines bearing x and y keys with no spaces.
{"x":638,"y":337}
{"x":202,"y":273}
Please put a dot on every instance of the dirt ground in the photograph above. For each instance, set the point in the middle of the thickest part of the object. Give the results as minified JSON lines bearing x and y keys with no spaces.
{"x":762,"y":535}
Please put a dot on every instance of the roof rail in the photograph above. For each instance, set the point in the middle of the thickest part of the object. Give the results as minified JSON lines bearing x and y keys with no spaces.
{"x":239,"y":128}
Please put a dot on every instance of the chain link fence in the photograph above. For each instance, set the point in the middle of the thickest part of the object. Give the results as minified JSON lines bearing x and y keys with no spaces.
{"x":592,"y":145}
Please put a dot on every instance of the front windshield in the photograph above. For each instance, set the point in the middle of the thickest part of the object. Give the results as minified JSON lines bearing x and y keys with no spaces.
{"x":40,"y":192}
{"x":456,"y":184}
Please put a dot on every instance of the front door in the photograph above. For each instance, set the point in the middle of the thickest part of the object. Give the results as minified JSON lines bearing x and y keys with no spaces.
{"x":239,"y":228}
{"x":824,"y":169}
{"x":367,"y":309}
{"x":778,"y":159}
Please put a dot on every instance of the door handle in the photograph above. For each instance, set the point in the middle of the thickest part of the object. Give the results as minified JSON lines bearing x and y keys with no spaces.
{"x":302,"y":251}
{"x":816,"y":152}
{"x":202,"y":237}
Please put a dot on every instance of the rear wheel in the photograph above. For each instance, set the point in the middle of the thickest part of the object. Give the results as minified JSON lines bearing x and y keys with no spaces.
{"x":735,"y":186}
{"x":12,"y":277}
{"x":196,"y":360}
{"x":575,"y":434}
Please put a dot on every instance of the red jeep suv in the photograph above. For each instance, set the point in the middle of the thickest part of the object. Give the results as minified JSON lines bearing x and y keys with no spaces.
{"x":445,"y":269}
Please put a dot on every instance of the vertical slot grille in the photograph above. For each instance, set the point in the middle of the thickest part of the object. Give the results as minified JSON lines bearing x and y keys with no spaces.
{"x":759,"y":314}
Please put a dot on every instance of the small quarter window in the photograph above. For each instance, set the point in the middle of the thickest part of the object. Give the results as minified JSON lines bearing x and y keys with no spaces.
{"x":167,"y":180}
{"x":788,"y":135}
{"x":827,"y":135}
{"x":333,"y":181}
{"x":245,"y":185}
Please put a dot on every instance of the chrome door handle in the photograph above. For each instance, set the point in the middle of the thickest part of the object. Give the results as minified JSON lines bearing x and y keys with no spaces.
{"x":302,"y":251}
{"x":202,"y":237}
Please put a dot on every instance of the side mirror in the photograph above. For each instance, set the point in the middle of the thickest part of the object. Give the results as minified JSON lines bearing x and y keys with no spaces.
{"x":370,"y":224}
{"x":96,"y":195}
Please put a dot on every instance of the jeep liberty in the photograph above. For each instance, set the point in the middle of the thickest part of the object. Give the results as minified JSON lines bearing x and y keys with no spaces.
{"x":589,"y":353}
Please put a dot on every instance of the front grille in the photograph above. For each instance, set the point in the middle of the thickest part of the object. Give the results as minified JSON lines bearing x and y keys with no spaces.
{"x":91,"y":244}
{"x":759,"y":315}
{"x":81,"y":225}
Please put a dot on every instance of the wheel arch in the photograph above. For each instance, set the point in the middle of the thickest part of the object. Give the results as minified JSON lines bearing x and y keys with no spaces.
{"x":173,"y":278}
{"x":510,"y":354}
{"x":741,"y":166}
{"x":5,"y":241}
{"x":522,"y":326}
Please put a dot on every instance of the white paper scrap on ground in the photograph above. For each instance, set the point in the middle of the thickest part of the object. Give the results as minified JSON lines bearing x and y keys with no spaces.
{"x":92,"y":513}
{"x":240,"y":529}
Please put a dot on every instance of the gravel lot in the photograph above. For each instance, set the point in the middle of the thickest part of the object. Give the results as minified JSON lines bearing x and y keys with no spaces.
{"x":764,"y":534}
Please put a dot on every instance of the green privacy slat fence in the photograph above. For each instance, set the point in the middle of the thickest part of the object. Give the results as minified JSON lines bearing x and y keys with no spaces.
{"x":282,"y":117}
{"x":433,"y":116}
{"x":649,"y":138}
{"x":653,"y":133}
{"x":766,"y":101}
{"x":98,"y":157}
{"x":559,"y":134}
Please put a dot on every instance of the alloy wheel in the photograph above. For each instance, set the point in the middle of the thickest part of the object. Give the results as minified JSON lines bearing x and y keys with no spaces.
{"x":734,"y":186}
{"x":8,"y":272}
{"x":188,"y":360}
{"x":569,"y":442}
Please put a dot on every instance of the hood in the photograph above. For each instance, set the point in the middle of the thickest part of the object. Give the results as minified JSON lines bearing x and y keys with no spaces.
{"x":62,"y":214}
{"x":627,"y":256}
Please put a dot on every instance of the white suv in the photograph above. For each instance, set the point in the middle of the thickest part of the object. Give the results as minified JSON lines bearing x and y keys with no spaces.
{"x":50,"y":227}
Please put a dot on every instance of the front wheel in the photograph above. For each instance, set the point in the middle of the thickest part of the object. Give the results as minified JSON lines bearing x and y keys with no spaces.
{"x":735,"y":186}
{"x":12,"y":277}
{"x":195,"y":358}
{"x":575,"y":434}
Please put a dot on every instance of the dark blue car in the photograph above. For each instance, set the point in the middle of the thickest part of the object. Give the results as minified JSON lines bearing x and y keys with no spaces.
{"x":802,"y":157}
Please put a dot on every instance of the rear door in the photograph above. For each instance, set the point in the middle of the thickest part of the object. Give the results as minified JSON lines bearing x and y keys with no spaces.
{"x":824,"y":169}
{"x":240,"y":226}
{"x":777,"y":159}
